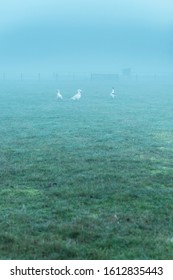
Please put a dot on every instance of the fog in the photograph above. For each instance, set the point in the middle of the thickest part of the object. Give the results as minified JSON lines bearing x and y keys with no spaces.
{"x":82,"y":36}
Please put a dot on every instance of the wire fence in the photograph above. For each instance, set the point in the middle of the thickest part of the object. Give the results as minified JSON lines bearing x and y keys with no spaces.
{"x":22,"y":76}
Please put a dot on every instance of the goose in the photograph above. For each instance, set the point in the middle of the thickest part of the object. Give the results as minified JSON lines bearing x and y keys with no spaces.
{"x":77,"y":96}
{"x":58,"y":94}
{"x":112,"y":94}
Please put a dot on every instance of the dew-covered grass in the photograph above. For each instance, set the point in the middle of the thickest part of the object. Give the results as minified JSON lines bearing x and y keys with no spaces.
{"x":91,"y":179}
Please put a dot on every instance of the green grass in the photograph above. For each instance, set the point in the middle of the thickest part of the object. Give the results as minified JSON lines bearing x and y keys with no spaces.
{"x":86,"y":180}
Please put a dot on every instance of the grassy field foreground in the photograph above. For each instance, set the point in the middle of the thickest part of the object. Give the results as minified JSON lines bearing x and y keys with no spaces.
{"x":86,"y":180}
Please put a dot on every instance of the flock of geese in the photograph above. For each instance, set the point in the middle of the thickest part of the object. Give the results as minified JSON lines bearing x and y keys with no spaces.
{"x":77,"y":96}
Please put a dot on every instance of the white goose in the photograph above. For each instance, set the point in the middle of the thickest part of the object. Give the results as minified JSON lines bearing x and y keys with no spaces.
{"x":58,"y":94}
{"x":77,"y":96}
{"x":113,"y":94}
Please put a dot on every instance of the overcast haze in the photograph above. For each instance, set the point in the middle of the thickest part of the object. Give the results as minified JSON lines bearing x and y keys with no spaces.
{"x":73,"y":35}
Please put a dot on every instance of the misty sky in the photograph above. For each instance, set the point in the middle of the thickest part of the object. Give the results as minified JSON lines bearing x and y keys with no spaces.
{"x":79,"y":35}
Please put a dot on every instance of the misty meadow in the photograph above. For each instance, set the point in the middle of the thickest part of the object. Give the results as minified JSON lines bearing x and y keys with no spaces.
{"x":86,"y":137}
{"x":86,"y":179}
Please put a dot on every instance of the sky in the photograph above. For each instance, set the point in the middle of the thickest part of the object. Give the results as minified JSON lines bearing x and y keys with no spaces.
{"x":86,"y":36}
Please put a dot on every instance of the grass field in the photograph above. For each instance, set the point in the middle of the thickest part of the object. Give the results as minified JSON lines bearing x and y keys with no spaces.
{"x":91,"y":179}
